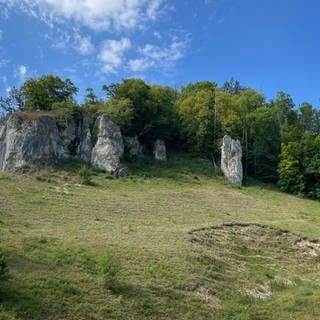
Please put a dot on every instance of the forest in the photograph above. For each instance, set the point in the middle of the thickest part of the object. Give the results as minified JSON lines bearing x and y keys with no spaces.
{"x":280,"y":140}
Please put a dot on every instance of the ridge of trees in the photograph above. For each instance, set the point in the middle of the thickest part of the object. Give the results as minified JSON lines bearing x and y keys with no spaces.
{"x":281,"y":142}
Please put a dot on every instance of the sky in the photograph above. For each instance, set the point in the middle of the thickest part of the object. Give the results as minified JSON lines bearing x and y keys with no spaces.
{"x":269,"y":45}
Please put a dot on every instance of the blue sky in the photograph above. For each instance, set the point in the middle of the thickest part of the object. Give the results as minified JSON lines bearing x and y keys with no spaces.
{"x":270,"y":45}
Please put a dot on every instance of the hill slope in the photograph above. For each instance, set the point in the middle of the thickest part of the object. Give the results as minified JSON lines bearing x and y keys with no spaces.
{"x":172,"y":241}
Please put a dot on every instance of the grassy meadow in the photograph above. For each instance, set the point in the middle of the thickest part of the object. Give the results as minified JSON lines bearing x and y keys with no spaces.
{"x":171,"y":241}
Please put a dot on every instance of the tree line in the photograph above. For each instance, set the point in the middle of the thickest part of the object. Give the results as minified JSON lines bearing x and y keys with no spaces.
{"x":281,"y":141}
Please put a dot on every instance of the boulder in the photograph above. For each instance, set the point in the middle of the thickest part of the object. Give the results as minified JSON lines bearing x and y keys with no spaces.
{"x":231,"y":165}
{"x":159,"y":150}
{"x":109,"y":148}
{"x":132,"y":146}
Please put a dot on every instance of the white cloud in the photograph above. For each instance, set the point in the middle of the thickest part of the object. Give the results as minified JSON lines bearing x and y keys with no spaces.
{"x":157,"y":35}
{"x":111,"y":54}
{"x":4,"y":62}
{"x":160,"y":57}
{"x":4,"y":13}
{"x":4,"y":79}
{"x":141,"y":64}
{"x":154,"y":9}
{"x":64,"y":40}
{"x":95,"y":14}
{"x":21,"y":73}
{"x":83,"y":45}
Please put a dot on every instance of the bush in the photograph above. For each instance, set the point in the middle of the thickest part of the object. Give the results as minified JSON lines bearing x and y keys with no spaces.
{"x":4,"y":270}
{"x":110,"y":267}
{"x":84,"y":175}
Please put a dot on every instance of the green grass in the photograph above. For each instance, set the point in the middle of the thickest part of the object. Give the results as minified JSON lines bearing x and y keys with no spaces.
{"x":124,"y":249}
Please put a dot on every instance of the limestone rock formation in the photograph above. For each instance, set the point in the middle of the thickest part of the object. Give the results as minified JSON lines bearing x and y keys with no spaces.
{"x":231,"y":165}
{"x":133,"y":147}
{"x":75,"y":138}
{"x":37,"y":141}
{"x":159,"y":150}
{"x":109,"y":148}
{"x":27,"y":142}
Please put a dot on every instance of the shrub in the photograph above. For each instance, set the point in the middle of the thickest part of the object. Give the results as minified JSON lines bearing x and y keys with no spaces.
{"x":84,"y":175}
{"x":110,"y":268}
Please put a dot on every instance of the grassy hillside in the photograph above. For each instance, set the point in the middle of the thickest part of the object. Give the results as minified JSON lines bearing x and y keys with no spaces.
{"x":172,"y":241}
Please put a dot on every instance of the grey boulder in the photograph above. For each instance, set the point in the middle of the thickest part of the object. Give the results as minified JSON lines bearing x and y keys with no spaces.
{"x":159,"y":150}
{"x":231,"y":165}
{"x":133,"y":147}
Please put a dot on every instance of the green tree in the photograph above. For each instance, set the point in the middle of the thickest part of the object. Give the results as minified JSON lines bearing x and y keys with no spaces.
{"x":291,"y":178}
{"x":233,"y":86}
{"x":310,"y":160}
{"x":264,"y":144}
{"x":90,"y":97}
{"x":44,"y":92}
{"x":198,"y":122}
{"x":148,"y":111}
{"x":191,"y":88}
{"x":121,"y":112}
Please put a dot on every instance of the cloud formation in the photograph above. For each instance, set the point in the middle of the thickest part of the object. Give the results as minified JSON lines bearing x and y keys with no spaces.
{"x":21,"y":73}
{"x":95,"y":14}
{"x":159,"y":57}
{"x":111,"y":54}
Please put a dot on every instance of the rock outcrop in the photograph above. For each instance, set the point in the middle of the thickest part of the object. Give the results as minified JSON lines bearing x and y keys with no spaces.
{"x":231,"y":165}
{"x":27,"y":143}
{"x":132,"y":146}
{"x":37,"y":140}
{"x":159,"y":150}
{"x":109,"y":148}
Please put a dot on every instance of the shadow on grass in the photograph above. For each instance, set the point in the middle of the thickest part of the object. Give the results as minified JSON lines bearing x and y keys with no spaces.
{"x":179,"y":167}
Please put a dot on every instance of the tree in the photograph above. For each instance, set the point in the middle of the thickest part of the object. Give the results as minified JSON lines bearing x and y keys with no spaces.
{"x":309,"y":119}
{"x":151,"y":108}
{"x":198,"y":124}
{"x":13,"y":102}
{"x":283,"y":106}
{"x":44,"y":92}
{"x":191,"y":88}
{"x":291,"y":178}
{"x":233,"y":86}
{"x":264,"y":144}
{"x":90,"y":97}
{"x":121,"y":112}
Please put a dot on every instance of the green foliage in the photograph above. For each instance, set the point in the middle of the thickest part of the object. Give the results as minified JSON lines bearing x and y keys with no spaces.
{"x":198,"y":121}
{"x":143,"y":110}
{"x":4,"y":270}
{"x":264,"y":144}
{"x":42,"y":93}
{"x":84,"y":175}
{"x":191,"y":88}
{"x":291,"y":178}
{"x":233,"y":86}
{"x":194,"y":118}
{"x":121,"y":112}
{"x":110,"y":267}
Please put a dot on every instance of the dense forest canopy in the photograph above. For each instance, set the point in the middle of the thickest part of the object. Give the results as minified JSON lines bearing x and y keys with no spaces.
{"x":281,"y":141}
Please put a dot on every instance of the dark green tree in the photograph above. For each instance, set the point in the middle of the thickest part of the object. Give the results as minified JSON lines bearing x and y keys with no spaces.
{"x":233,"y":86}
